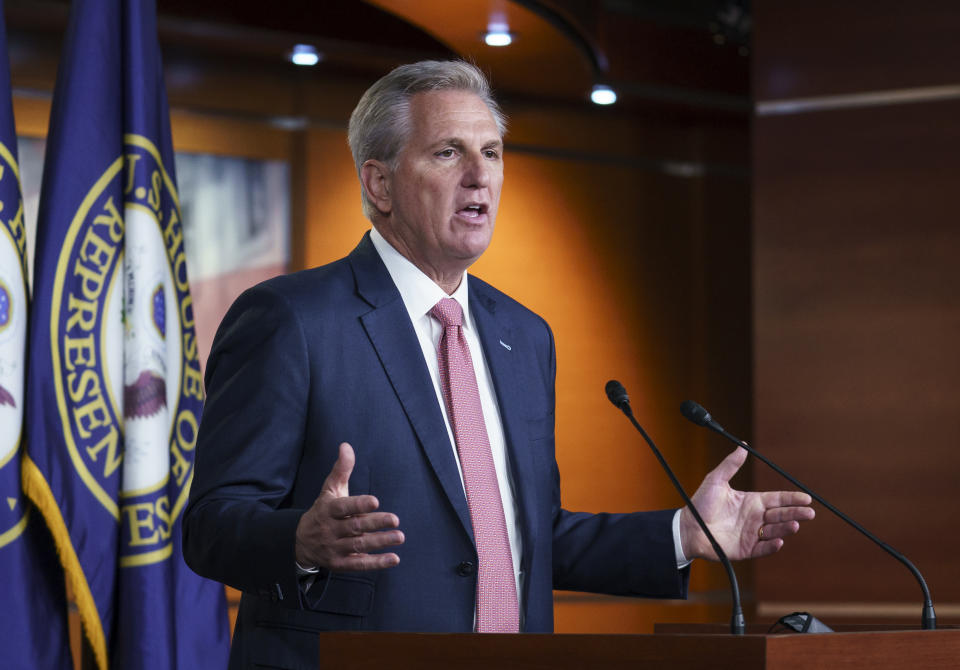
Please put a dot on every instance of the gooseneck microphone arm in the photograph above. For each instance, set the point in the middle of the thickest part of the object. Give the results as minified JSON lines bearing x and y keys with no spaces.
{"x":618,"y":396}
{"x":700,"y":416}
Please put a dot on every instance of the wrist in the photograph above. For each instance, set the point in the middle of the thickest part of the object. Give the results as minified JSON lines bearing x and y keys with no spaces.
{"x":691,"y":535}
{"x":300,"y":554}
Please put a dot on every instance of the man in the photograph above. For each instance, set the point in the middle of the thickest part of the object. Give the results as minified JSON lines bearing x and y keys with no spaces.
{"x":377,"y":447}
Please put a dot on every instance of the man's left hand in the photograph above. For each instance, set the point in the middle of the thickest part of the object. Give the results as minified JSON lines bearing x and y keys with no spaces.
{"x":745,"y":524}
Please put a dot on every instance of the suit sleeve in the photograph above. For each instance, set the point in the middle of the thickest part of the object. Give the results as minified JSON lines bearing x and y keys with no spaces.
{"x":237,"y":528}
{"x":616,"y":554}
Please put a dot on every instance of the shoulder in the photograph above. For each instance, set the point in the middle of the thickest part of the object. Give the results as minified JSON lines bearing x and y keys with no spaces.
{"x":298,"y":296}
{"x":281,"y":318}
{"x":287,"y":300}
{"x":307,"y":285}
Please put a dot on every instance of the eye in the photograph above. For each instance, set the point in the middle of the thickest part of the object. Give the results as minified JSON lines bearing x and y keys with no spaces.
{"x":445,"y":153}
{"x":492,"y":154}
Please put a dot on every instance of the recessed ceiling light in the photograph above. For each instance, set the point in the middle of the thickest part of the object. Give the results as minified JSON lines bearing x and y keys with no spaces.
{"x":304,"y":54}
{"x":497,"y":39}
{"x":498,"y":34}
{"x":290,"y":123}
{"x":603,"y":95}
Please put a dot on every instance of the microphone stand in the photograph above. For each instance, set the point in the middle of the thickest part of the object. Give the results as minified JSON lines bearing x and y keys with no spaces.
{"x":700,"y":416}
{"x":618,"y":396}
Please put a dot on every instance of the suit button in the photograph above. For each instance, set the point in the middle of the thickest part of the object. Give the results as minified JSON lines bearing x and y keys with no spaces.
{"x":466,"y":569}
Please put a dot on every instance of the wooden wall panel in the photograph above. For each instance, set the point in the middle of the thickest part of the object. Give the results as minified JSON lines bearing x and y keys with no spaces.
{"x":824,"y":47}
{"x":857,"y":315}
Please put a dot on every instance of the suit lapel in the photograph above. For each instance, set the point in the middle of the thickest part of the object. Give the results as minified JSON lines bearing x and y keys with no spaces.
{"x":503,"y":351}
{"x":395,"y":341}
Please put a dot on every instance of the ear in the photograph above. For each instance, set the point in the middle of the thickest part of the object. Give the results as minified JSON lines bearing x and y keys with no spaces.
{"x":376,"y":180}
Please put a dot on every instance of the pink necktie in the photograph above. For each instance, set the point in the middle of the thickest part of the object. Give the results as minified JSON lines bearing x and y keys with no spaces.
{"x":497,"y":608}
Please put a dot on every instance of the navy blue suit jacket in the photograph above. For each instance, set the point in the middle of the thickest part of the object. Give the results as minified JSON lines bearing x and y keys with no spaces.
{"x":306,"y":361}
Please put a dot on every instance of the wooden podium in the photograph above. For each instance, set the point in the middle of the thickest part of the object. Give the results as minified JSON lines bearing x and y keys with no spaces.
{"x":875,"y":649}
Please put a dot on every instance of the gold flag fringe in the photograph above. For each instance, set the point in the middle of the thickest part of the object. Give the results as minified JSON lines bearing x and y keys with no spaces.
{"x":37,"y":489}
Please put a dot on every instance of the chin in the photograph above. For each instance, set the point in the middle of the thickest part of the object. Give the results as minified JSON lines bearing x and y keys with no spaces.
{"x":472,"y":249}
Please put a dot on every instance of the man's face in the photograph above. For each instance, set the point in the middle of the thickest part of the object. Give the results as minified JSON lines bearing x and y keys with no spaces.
{"x":445,"y":188}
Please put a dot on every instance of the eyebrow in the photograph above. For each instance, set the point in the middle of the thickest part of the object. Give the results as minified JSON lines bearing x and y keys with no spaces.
{"x":457,"y":143}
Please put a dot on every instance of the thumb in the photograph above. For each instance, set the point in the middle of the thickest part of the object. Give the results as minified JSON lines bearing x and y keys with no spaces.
{"x":337,"y":482}
{"x":730,"y":465}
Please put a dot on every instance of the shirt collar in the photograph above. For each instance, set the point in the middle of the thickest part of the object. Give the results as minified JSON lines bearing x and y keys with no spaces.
{"x":418,"y":291}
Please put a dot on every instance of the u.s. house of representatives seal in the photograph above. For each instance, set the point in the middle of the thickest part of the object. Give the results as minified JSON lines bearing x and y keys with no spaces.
{"x":124,"y":348}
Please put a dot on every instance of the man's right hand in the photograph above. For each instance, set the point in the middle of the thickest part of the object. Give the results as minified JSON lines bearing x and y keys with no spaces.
{"x":339,"y":531}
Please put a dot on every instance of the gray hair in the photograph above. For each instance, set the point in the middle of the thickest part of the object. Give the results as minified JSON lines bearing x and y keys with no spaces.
{"x":380,"y":123}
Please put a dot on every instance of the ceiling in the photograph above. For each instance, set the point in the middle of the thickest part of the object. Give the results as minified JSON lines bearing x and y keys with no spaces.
{"x":662,"y":56}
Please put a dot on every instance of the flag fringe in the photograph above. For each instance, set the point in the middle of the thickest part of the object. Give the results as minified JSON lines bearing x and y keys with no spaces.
{"x":38,"y":490}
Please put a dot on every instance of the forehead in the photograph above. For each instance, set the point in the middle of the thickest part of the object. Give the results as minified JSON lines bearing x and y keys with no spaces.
{"x":451,"y":113}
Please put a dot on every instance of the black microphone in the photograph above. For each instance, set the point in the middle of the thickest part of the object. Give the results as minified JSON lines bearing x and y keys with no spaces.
{"x":618,"y":396}
{"x":700,"y":416}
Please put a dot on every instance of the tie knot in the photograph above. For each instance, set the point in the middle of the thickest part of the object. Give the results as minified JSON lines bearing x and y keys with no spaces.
{"x":448,"y":312}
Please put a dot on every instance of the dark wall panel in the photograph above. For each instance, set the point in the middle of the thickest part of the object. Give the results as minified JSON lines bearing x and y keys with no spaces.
{"x":825,"y":47}
{"x":857,"y":314}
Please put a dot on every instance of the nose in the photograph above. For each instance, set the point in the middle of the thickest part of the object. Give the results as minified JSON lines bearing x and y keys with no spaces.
{"x":476,"y":172}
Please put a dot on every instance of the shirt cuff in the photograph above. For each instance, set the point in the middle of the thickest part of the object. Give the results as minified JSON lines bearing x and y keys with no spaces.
{"x":682,"y":560}
{"x":303,"y":572}
{"x":306,"y":576}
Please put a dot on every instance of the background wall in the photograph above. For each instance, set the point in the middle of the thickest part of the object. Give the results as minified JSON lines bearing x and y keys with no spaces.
{"x":856,"y":155}
{"x":792,"y":271}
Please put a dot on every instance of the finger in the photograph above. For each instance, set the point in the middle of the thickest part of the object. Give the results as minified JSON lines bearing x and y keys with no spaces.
{"x":730,"y":465}
{"x":785,"y":499}
{"x":781,"y":514}
{"x":766,"y":548}
{"x":368,"y":542}
{"x":338,"y":481}
{"x":365,"y":562}
{"x":367,"y":523}
{"x":774,"y":531}
{"x":341,"y":508}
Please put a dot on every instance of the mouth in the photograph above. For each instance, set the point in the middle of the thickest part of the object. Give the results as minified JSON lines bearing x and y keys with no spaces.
{"x":473,"y":211}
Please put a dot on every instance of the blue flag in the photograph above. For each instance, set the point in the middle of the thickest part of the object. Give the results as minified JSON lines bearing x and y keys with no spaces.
{"x":33,"y":618}
{"x":114,"y":385}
